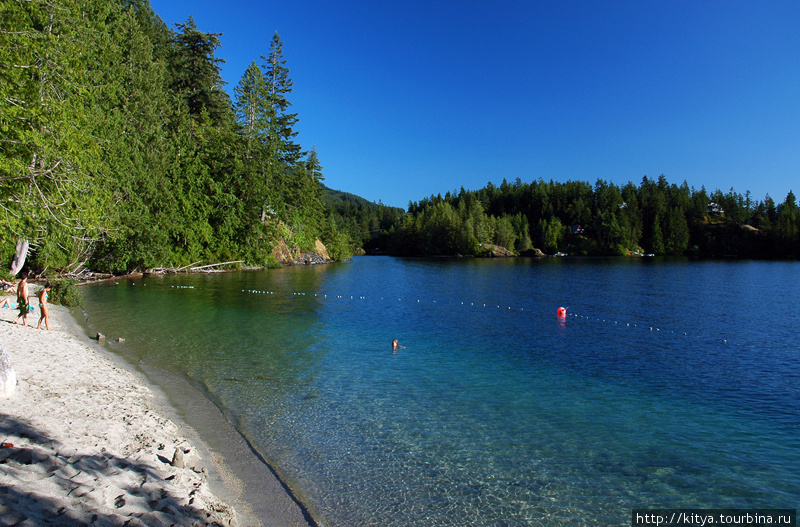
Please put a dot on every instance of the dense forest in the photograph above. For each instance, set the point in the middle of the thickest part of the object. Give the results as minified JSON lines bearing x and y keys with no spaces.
{"x":120,"y":148}
{"x":366,"y":224}
{"x":577,"y":218}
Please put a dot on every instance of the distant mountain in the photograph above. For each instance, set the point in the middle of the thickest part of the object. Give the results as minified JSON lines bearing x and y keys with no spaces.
{"x":366,"y":223}
{"x":335,"y":199}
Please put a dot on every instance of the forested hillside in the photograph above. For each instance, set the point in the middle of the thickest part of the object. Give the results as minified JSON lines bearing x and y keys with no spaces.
{"x":366,"y":223}
{"x":120,"y":149}
{"x":577,"y":218}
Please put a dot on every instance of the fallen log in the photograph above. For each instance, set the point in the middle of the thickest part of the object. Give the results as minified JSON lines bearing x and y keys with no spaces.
{"x":215,"y":265}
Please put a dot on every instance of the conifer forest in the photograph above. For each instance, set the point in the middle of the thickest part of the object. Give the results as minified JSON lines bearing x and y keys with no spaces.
{"x":122,"y":150}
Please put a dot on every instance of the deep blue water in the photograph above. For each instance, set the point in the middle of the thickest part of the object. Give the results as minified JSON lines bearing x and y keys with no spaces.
{"x":669,"y":383}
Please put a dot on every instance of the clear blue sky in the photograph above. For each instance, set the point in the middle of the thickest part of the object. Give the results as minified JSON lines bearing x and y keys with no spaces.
{"x":407,"y":99}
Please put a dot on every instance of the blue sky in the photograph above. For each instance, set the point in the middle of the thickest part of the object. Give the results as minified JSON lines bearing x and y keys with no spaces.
{"x":403,"y":100}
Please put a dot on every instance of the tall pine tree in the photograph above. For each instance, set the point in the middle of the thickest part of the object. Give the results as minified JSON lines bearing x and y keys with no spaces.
{"x":282,"y":151}
{"x":195,"y":73}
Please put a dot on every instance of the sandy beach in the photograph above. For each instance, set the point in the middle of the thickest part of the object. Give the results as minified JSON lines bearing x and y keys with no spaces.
{"x":93,"y":444}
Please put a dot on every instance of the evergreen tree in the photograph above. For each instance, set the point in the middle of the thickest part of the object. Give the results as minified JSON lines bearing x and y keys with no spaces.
{"x":254,"y":110}
{"x":788,"y":225}
{"x":522,"y":231}
{"x":254,"y":113}
{"x":137,"y":146}
{"x":51,"y":191}
{"x":283,"y":153}
{"x":552,"y":234}
{"x":504,"y":235}
{"x":195,"y":73}
{"x":677,"y":238}
{"x":279,"y":86}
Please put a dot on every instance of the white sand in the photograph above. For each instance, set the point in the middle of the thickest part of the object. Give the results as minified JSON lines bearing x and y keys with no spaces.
{"x":92,"y":445}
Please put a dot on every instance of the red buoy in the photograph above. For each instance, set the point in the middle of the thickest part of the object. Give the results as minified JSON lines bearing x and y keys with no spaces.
{"x":562,"y":311}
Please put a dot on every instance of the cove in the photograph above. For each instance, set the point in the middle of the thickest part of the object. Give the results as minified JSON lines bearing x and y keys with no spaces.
{"x":669,"y":384}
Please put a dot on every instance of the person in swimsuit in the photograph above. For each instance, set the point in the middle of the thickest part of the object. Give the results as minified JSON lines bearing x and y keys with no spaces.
{"x":22,"y":299}
{"x":6,"y":286}
{"x":43,"y":307}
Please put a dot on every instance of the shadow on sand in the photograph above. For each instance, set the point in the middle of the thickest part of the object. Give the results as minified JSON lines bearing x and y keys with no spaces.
{"x":52,"y":486}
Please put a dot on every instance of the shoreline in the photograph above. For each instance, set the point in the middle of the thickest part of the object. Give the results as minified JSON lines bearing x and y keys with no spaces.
{"x":94,"y":438}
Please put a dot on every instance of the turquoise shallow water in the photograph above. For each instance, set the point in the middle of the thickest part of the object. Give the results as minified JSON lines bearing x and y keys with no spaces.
{"x":669,"y":383}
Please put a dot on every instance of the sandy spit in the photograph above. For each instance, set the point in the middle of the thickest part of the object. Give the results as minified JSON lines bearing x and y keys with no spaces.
{"x":92,"y":445}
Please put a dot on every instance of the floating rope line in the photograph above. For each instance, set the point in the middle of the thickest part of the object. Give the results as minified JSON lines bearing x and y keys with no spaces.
{"x":559,"y":315}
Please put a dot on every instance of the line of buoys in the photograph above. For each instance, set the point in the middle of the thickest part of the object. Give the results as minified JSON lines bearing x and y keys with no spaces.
{"x":399,"y":299}
{"x":561,"y":311}
{"x":629,"y":324}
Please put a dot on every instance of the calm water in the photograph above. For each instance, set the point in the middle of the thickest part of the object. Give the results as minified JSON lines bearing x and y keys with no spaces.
{"x":669,"y":383}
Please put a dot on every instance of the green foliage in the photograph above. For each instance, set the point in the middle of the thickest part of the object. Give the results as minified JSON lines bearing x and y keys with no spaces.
{"x":574,"y":217}
{"x":51,"y":167}
{"x":120,"y":150}
{"x":340,"y":246}
{"x":366,"y":224}
{"x":553,"y":233}
{"x":195,"y":73}
{"x":65,"y":292}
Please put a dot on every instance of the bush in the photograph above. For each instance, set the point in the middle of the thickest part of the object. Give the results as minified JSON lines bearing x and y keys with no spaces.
{"x":270,"y":262}
{"x":340,"y":247}
{"x":65,"y":292}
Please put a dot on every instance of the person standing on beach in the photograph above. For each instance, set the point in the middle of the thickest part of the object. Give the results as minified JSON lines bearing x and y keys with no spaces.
{"x":43,"y":307}
{"x":22,"y":299}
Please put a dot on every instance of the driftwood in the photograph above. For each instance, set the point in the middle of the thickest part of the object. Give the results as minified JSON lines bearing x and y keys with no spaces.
{"x":19,"y":257}
{"x":170,"y":270}
{"x":215,"y":265}
{"x":85,"y":277}
{"x":191,"y":268}
{"x":185,"y":267}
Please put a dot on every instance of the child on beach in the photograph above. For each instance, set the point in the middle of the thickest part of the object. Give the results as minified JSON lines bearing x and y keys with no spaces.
{"x":43,"y":307}
{"x":22,"y":299}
